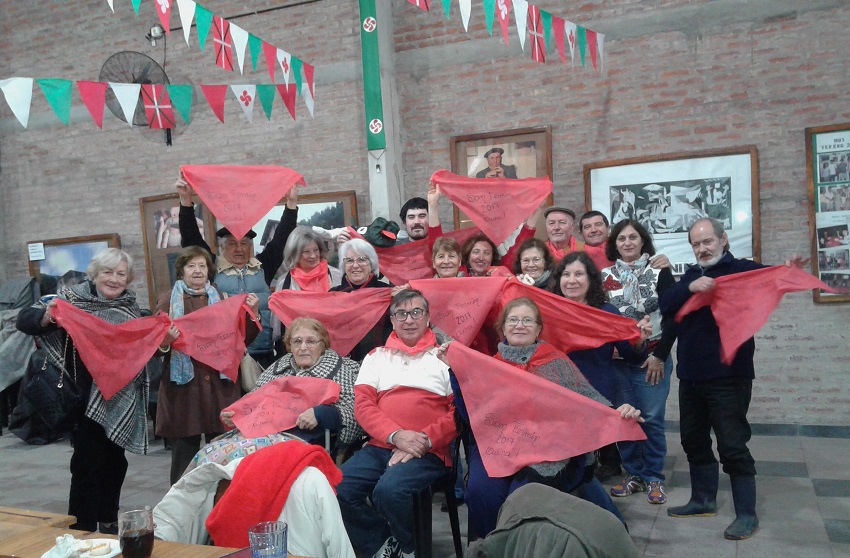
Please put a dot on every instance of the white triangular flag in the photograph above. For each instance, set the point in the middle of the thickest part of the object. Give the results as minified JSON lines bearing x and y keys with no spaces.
{"x":600,"y":40}
{"x":18,"y":92}
{"x":308,"y":97}
{"x":111,"y":6}
{"x":128,"y":97}
{"x":187,"y":14}
{"x":521,"y":15}
{"x":465,"y":11}
{"x":240,"y":40}
{"x":570,"y":32}
{"x":284,"y":59}
{"x":245,"y":94}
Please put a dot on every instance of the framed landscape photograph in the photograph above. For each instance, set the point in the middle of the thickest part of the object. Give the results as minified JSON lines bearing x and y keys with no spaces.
{"x":668,"y":193}
{"x":828,"y":174}
{"x":520,"y":153}
{"x":66,"y":259}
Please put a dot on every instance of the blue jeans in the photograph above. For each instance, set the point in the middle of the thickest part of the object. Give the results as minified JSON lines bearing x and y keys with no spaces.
{"x":644,"y":459}
{"x":391,"y":489}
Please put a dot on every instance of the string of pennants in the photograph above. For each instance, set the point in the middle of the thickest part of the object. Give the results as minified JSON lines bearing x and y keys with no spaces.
{"x":159,"y":101}
{"x":542,"y":26}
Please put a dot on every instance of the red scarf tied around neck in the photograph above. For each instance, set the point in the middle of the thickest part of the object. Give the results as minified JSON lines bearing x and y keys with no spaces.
{"x":316,"y":280}
{"x":428,"y":340}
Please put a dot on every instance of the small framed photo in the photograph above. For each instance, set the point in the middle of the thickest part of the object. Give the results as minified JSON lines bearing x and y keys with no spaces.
{"x":66,"y":259}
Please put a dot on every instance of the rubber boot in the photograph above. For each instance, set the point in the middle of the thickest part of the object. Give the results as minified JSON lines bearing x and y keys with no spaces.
{"x":703,"y":502}
{"x":744,"y":495}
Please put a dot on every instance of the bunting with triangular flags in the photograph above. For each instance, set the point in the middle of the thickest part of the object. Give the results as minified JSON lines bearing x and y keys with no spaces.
{"x":58,"y":94}
{"x":223,"y":43}
{"x":558,"y":32}
{"x":503,"y":9}
{"x":163,"y":10}
{"x":127,"y":95}
{"x":571,"y":33}
{"x":600,"y":41}
{"x":266,"y":94}
{"x":255,"y":46}
{"x":308,"y":97}
{"x":465,"y":12}
{"x":581,"y":35}
{"x":203,"y":19}
{"x":181,"y":99}
{"x":270,"y":53}
{"x":110,"y":5}
{"x":538,"y":47}
{"x":308,"y":77}
{"x":489,"y":14}
{"x":546,"y":18}
{"x":157,"y":106}
{"x":240,"y":41}
{"x":187,"y":14}
{"x":447,"y":7}
{"x":136,"y":4}
{"x":421,"y":4}
{"x":283,"y":59}
{"x":245,"y":94}
{"x":591,"y":45}
{"x":18,"y":93}
{"x":521,"y":17}
{"x":93,"y":94}
{"x":215,"y":97}
{"x":287,"y":93}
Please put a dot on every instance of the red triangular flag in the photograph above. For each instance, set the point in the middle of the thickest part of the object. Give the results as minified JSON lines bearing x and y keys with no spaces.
{"x":591,"y":45}
{"x":558,"y":29}
{"x":215,"y":95}
{"x":742,"y":302}
{"x":157,"y":106}
{"x":309,"y":69}
{"x":270,"y":52}
{"x":215,"y":335}
{"x":93,"y":94}
{"x":571,"y":326}
{"x":237,"y":195}
{"x":163,"y":10}
{"x":275,"y":406}
{"x":101,"y":345}
{"x":538,"y":42}
{"x":530,"y":420}
{"x":223,"y":43}
{"x":421,"y":4}
{"x":496,"y":205}
{"x":287,"y":93}
{"x":460,"y":305}
{"x":348,"y":317}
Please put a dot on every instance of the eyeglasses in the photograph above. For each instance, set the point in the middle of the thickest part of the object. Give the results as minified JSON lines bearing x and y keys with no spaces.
{"x":513,"y":321}
{"x":311,"y":343}
{"x":536,"y":260}
{"x":416,"y":314}
{"x":360,"y":260}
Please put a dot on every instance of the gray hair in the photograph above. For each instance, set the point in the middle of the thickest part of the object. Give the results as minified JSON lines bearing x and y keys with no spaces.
{"x":109,"y":259}
{"x":719,"y":231}
{"x":297,"y":241}
{"x":404,"y":296}
{"x":359,"y":246}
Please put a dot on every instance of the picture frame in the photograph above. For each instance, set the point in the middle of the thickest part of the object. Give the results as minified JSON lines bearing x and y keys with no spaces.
{"x":527,"y":153}
{"x":161,"y":237}
{"x":66,"y":259}
{"x":828,"y":177}
{"x":667,"y":193}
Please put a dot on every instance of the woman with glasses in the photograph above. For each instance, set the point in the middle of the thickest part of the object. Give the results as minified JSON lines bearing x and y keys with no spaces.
{"x":533,"y":264}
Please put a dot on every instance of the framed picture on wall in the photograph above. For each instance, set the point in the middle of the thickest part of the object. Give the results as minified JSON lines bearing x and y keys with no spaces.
{"x":161,"y":234}
{"x":828,"y":173}
{"x":668,"y":193}
{"x":66,"y":259}
{"x":520,"y":153}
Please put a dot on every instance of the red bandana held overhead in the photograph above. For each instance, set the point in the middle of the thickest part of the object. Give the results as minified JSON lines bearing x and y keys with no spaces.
{"x":215,"y":335}
{"x":571,"y":326}
{"x":101,"y":345}
{"x":742,"y":302}
{"x":496,"y":205}
{"x":428,"y":341}
{"x":240,"y":195}
{"x":348,"y":317}
{"x":529,"y":419}
{"x":461,"y":304}
{"x":276,"y":406}
{"x":316,"y":280}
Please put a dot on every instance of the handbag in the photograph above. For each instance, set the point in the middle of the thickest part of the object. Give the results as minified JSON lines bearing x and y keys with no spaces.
{"x":249,"y":372}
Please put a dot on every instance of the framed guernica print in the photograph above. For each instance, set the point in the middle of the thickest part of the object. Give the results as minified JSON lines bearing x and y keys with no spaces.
{"x":828,"y":172}
{"x":668,"y":193}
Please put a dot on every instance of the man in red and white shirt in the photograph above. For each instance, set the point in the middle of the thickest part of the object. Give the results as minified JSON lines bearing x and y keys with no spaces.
{"x":403,"y":399}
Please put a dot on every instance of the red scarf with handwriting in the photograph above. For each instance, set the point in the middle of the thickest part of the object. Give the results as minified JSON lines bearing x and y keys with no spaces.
{"x":529,"y":419}
{"x":316,"y":280}
{"x":427,"y":341}
{"x":496,"y":205}
{"x":742,"y":302}
{"x":237,"y":195}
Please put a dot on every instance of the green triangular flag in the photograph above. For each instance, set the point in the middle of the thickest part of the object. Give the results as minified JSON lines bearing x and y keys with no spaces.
{"x":295,"y":69}
{"x":181,"y":99}
{"x":136,"y":6}
{"x":581,"y":39}
{"x":489,"y":14}
{"x":547,"y":28}
{"x":266,"y":94}
{"x":447,"y":7}
{"x":58,"y":93}
{"x":203,"y":19}
{"x":255,"y":45}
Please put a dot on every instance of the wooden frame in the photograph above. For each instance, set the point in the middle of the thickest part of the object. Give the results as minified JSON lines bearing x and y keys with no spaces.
{"x":667,"y":193}
{"x":828,"y":176}
{"x":527,"y":153}
{"x":66,"y":259}
{"x":162,"y":238}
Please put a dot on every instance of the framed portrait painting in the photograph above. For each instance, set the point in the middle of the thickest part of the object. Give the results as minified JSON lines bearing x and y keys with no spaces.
{"x":161,"y":234}
{"x":66,"y":259}
{"x":520,"y":153}
{"x":668,"y":193}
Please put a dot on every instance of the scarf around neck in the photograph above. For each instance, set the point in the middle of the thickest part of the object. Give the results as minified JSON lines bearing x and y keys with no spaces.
{"x":427,"y":341}
{"x":541,"y":281}
{"x":182,"y":369}
{"x":629,"y":275}
{"x":316,"y":280}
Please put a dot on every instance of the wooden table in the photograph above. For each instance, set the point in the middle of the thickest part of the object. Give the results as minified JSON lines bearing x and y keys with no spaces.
{"x":14,"y":522}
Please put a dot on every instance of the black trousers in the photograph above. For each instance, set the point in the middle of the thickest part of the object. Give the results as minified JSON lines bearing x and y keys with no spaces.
{"x":98,"y":468}
{"x":183,"y":451}
{"x":718,"y":405}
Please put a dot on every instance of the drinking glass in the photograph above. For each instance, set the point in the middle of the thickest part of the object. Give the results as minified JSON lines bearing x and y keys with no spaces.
{"x":135,"y":532}
{"x":268,"y":539}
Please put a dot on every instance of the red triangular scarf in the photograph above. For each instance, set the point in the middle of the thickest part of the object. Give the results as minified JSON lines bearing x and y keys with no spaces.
{"x":275,"y":406}
{"x":571,"y":326}
{"x":215,"y":95}
{"x":348,"y":317}
{"x":404,"y":262}
{"x":316,"y":280}
{"x":93,"y":94}
{"x":529,"y":420}
{"x":260,"y":488}
{"x":287,"y":93}
{"x":742,"y":302}
{"x":427,"y":341}
{"x":113,"y":354}
{"x":459,"y":305}
{"x":496,"y":205}
{"x":239,"y":196}
{"x":215,"y":335}
{"x":157,"y":105}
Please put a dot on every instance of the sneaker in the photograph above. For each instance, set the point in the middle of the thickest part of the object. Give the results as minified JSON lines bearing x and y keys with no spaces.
{"x":390,"y":549}
{"x":657,"y":493}
{"x":629,"y":486}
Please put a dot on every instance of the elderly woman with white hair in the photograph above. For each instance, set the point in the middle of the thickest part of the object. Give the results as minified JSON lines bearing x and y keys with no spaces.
{"x":104,"y":429}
